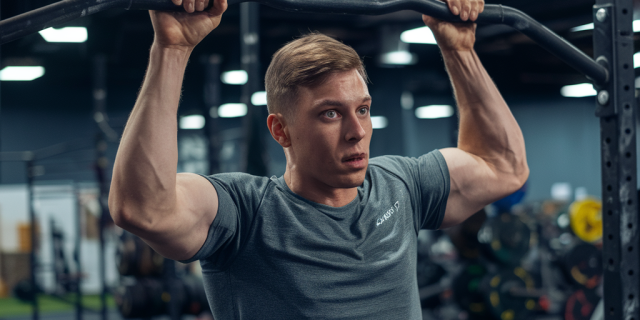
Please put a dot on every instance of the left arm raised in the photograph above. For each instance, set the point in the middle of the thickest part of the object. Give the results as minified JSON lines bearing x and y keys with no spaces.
{"x":490,"y":160}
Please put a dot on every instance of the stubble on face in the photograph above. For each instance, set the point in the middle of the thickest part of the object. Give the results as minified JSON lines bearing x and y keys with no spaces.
{"x":332,"y":131}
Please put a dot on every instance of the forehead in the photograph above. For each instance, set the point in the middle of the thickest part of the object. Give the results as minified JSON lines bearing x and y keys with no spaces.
{"x":347,"y":87}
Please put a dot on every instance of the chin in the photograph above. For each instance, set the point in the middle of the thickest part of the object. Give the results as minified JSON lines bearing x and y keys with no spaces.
{"x":351,"y":180}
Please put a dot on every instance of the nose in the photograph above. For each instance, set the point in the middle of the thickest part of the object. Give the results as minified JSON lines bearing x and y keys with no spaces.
{"x":354,"y":128}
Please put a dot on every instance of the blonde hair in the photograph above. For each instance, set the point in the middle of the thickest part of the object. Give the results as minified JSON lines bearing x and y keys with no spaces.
{"x":306,"y":62}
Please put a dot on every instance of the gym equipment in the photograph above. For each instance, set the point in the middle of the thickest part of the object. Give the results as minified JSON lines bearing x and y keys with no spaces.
{"x":150,"y":297}
{"x":66,"y":10}
{"x":581,"y":305}
{"x":586,"y":219}
{"x":142,"y":298}
{"x":465,"y":235}
{"x":467,"y":291}
{"x":512,"y":294}
{"x":505,"y":239}
{"x":429,"y":275}
{"x":136,"y":258}
{"x":582,"y":264}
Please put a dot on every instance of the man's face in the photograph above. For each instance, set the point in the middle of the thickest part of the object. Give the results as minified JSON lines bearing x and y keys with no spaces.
{"x":331,"y":132}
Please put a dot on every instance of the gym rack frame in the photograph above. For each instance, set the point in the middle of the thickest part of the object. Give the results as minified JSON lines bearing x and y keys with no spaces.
{"x":611,"y":71}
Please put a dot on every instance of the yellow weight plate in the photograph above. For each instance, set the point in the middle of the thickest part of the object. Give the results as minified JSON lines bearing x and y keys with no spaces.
{"x":586,"y":219}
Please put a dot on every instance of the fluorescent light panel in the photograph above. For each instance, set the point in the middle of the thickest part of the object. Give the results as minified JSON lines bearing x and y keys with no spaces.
{"x":66,"y":34}
{"x":398,"y":58}
{"x":589,"y":26}
{"x":17,"y":73}
{"x":636,"y":60}
{"x":379,"y":122}
{"x":259,"y":98}
{"x":418,"y":35}
{"x":578,"y":90}
{"x":235,"y":77}
{"x":232,"y":110}
{"x":434,"y":112}
{"x":192,"y":122}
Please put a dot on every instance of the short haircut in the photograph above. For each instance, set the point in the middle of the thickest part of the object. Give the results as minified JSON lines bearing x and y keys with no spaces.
{"x":306,"y":62}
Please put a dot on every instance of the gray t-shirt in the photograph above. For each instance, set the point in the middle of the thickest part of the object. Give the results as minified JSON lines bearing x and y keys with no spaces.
{"x":271,"y":254}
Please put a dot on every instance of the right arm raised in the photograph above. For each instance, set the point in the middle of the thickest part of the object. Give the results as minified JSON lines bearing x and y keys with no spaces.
{"x":171,"y":212}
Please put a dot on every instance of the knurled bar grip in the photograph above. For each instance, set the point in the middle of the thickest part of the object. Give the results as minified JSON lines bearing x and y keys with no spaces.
{"x":67,"y":10}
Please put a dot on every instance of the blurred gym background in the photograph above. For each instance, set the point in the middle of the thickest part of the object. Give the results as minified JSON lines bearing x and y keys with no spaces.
{"x":66,"y":94}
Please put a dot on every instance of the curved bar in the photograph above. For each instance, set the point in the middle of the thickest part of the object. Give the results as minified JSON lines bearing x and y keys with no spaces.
{"x":51,"y":15}
{"x":66,"y":10}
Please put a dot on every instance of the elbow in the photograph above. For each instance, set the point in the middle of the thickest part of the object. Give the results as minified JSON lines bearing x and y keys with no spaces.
{"x":123,"y":215}
{"x":519,"y":177}
{"x":120,"y":216}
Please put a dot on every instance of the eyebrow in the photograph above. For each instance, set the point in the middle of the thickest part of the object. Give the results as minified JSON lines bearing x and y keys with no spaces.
{"x":336,"y":103}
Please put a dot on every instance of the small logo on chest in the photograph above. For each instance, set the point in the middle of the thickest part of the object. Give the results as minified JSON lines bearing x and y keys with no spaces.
{"x":388,"y":214}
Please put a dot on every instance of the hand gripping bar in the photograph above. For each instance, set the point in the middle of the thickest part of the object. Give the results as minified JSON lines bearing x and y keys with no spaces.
{"x":67,"y":10}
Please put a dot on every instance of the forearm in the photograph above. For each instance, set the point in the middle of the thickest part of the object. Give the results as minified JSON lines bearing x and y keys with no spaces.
{"x":143,"y":186}
{"x":487,"y":127}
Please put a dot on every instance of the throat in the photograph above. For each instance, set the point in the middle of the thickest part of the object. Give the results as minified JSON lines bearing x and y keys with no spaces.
{"x":319,"y":192}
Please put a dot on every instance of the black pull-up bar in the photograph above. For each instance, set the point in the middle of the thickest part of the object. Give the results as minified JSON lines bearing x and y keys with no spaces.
{"x":67,"y":10}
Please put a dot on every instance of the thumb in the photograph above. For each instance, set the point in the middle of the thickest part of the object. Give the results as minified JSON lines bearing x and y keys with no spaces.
{"x":429,"y":21}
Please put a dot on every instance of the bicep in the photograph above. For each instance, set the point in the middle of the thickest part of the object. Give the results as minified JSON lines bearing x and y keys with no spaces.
{"x":186,"y":232}
{"x":474,"y":184}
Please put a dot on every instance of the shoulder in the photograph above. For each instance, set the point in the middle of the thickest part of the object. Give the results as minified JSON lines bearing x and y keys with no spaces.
{"x":402,"y":166}
{"x":237,"y":182}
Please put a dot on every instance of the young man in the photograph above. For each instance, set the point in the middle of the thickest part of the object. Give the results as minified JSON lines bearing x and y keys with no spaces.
{"x":335,"y":237}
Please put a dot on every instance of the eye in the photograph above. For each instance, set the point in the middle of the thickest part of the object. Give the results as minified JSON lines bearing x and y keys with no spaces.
{"x":331,"y":114}
{"x":363,"y":111}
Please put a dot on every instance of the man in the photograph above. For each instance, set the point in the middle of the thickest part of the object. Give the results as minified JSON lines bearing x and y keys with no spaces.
{"x":335,"y":237}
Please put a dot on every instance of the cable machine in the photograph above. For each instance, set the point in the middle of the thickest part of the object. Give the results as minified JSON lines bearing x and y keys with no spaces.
{"x":611,"y":70}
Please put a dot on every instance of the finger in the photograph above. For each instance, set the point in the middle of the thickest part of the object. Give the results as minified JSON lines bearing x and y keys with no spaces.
{"x":218,"y":7}
{"x":475,"y":4}
{"x":177,"y":2}
{"x":454,"y":6}
{"x":481,"y":7}
{"x":189,"y":5}
{"x":465,"y":10}
{"x":427,"y":19}
{"x":199,"y":5}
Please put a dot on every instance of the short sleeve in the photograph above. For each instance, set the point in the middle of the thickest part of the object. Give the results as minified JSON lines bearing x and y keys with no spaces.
{"x":239,"y":196}
{"x":427,"y":178}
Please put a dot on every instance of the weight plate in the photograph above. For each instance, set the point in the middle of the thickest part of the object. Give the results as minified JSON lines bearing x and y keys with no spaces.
{"x":583,"y":265}
{"x":505,"y":239}
{"x":467,"y":291}
{"x":512,"y":294}
{"x":586,"y":219}
{"x":581,"y":305}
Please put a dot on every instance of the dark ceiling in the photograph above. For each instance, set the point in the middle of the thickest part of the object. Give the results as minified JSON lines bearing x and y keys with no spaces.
{"x":517,"y":64}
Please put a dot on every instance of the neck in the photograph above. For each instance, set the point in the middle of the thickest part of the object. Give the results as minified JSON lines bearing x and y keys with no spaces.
{"x":317,"y":191}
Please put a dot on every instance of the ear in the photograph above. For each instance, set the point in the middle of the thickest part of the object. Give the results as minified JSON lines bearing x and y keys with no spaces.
{"x":278,"y":129}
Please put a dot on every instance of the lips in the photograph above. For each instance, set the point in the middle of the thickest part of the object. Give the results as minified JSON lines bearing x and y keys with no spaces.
{"x":354,"y":157}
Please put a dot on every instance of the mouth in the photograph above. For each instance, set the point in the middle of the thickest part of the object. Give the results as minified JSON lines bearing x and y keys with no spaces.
{"x":356,"y":160}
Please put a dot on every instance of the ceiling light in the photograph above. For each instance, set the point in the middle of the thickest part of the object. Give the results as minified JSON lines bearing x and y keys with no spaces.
{"x":589,"y":26}
{"x":379,"y":122}
{"x":578,"y":90}
{"x":236,"y":77}
{"x":192,"y":122}
{"x":21,"y":73}
{"x":66,"y":34}
{"x":232,"y":110}
{"x":434,"y":112}
{"x":636,"y":60}
{"x":259,"y":98}
{"x":418,"y":35}
{"x":398,"y":58}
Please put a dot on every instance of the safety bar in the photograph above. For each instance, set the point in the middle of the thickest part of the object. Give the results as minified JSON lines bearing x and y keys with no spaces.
{"x":67,"y":10}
